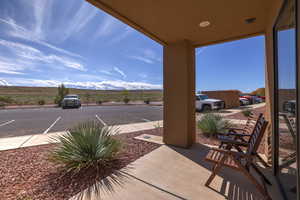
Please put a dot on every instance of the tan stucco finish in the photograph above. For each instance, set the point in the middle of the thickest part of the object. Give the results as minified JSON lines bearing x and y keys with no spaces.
{"x":269,"y":75}
{"x":169,"y":21}
{"x":175,"y":24}
{"x":179,"y":94}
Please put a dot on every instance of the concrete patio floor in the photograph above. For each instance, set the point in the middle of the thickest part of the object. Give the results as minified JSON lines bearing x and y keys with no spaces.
{"x":173,"y":173}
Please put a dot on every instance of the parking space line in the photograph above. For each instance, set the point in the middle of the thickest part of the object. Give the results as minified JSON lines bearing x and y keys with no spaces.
{"x":146,"y":120}
{"x":48,"y":129}
{"x":8,"y":122}
{"x":101,"y":120}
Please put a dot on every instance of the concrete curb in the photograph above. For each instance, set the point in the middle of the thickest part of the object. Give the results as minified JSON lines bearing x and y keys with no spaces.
{"x":83,"y":105}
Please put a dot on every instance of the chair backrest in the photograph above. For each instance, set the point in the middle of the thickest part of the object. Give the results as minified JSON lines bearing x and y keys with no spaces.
{"x":250,"y":124}
{"x":290,"y":122}
{"x":257,"y":134}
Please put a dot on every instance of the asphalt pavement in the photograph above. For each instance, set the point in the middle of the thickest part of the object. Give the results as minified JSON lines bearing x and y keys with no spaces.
{"x":18,"y":122}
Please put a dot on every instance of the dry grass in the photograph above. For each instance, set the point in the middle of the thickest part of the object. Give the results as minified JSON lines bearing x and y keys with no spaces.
{"x":31,"y":95}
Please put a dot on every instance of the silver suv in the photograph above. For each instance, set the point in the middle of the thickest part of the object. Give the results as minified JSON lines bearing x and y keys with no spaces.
{"x":71,"y":101}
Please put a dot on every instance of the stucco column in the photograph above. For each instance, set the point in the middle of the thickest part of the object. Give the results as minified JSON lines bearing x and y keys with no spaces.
{"x":179,"y":94}
{"x":269,"y":77}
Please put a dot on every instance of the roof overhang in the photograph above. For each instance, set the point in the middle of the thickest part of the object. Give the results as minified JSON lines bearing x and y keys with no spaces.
{"x":169,"y":21}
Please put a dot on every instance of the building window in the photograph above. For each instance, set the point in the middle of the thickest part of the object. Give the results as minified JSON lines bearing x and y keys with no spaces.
{"x":286,"y":99}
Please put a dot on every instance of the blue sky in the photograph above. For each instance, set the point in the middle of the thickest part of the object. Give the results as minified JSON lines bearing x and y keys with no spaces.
{"x":47,"y":42}
{"x":232,"y":65}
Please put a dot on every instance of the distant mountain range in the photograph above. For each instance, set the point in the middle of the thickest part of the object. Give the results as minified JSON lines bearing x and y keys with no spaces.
{"x":102,"y":85}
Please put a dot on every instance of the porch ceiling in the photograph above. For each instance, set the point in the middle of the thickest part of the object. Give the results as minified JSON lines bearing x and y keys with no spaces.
{"x":167,"y":21}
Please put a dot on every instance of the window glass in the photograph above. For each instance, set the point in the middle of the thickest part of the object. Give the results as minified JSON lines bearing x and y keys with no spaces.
{"x":285,"y":34}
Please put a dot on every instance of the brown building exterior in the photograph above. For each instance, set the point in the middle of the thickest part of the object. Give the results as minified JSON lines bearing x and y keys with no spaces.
{"x":230,"y":97}
{"x":182,"y":26}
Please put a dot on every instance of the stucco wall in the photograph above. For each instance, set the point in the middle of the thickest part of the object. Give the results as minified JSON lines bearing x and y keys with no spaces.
{"x":231,"y":97}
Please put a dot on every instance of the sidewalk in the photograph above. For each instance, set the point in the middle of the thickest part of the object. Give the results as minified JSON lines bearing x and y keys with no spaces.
{"x":39,"y":139}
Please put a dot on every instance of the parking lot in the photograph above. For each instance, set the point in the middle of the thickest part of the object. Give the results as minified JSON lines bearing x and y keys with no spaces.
{"x":18,"y":122}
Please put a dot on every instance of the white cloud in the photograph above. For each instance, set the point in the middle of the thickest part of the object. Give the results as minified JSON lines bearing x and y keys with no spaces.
{"x":120,"y":72}
{"x":200,"y":50}
{"x":36,"y":56}
{"x":107,"y":27}
{"x":42,"y":11}
{"x":122,"y":34}
{"x":4,"y":83}
{"x":101,"y":85}
{"x":142,"y":75}
{"x":9,"y":67}
{"x":19,"y":31}
{"x":83,"y":16}
{"x":65,"y":61}
{"x":141,"y":58}
{"x":106,"y":72}
{"x":147,"y":56}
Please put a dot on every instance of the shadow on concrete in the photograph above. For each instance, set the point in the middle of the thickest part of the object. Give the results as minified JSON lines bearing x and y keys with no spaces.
{"x":235,"y":185}
{"x":156,"y":187}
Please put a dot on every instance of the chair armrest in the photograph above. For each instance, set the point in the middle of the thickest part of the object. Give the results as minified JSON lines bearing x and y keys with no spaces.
{"x":239,"y":134}
{"x":235,"y":129}
{"x":232,"y":141}
{"x":235,"y":134}
{"x":231,"y":153}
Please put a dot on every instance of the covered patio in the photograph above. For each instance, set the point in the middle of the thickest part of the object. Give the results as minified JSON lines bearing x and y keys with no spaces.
{"x":173,"y":172}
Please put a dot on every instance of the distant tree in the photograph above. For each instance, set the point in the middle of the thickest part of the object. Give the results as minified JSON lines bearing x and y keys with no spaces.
{"x":125,"y":93}
{"x":62,"y":91}
{"x":6,"y":99}
{"x":87,"y":97}
{"x":125,"y":96}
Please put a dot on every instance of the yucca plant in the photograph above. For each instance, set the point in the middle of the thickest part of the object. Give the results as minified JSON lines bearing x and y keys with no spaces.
{"x":247,"y":112}
{"x":87,"y":145}
{"x":212,"y":124}
{"x":90,"y":147}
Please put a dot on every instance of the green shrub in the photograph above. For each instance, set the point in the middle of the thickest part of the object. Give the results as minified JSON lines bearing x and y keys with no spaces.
{"x":99,"y":102}
{"x":147,"y":101}
{"x":212,"y":124}
{"x":62,"y":91}
{"x":41,"y":102}
{"x":126,"y":100}
{"x":57,"y":100}
{"x":6,"y":99}
{"x":86,"y":145}
{"x":247,"y":112}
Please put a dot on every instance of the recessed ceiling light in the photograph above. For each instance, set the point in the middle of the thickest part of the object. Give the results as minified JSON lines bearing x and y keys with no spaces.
{"x":204,"y":24}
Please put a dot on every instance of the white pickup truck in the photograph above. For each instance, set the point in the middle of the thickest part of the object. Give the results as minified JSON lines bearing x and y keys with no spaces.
{"x":203,"y":103}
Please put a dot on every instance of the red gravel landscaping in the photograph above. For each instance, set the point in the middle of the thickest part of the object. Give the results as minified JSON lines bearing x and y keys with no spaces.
{"x":240,"y":115}
{"x":27,"y":174}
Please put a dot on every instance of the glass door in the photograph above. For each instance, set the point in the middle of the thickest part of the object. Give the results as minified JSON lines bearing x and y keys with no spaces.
{"x":286,"y":99}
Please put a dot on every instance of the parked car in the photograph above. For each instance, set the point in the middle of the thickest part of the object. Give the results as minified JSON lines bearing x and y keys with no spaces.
{"x":290,"y":106}
{"x":251,"y":99}
{"x":244,"y":101}
{"x":204,"y":103}
{"x":71,"y":101}
{"x":257,"y":99}
{"x":263,"y":98}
